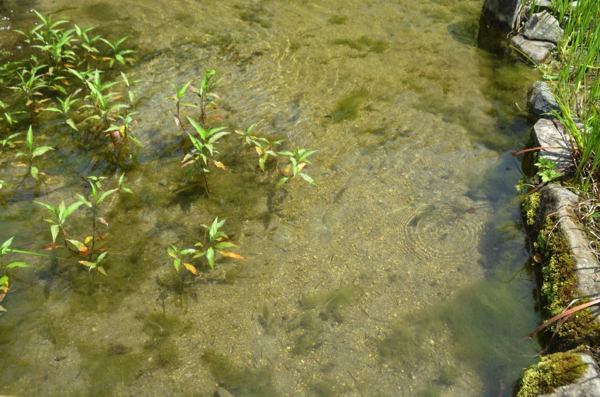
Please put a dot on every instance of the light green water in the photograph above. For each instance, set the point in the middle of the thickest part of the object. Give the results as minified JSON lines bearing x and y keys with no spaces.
{"x":386,"y":279}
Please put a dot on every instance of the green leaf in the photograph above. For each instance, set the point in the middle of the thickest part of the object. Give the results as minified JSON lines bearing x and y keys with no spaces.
{"x":40,"y":150}
{"x":51,"y":208}
{"x":80,"y":246}
{"x":281,"y":182}
{"x":172,"y":251}
{"x":100,"y":257}
{"x":225,"y":244}
{"x":187,"y":251}
{"x":34,"y":172}
{"x":307,"y":178}
{"x":210,"y":255}
{"x":8,"y":242}
{"x":106,"y":194}
{"x":29,"y":139}
{"x":177,"y":263}
{"x":70,"y":209}
{"x":101,"y":270}
{"x":71,"y":124}
{"x":54,"y":232}
{"x":18,"y":264}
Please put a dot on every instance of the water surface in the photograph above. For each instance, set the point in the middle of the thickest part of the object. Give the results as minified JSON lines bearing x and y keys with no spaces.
{"x":386,"y":279}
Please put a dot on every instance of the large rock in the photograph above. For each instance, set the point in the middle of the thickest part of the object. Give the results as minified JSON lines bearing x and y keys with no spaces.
{"x":544,"y":27}
{"x":537,"y":51}
{"x":551,"y":134}
{"x":541,"y":101}
{"x":500,"y":15}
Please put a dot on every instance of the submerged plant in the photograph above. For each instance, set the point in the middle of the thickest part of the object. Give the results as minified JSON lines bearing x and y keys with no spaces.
{"x":6,"y":270}
{"x":33,"y":152}
{"x":298,"y":159}
{"x":205,"y":96}
{"x":215,"y":242}
{"x":202,"y":155}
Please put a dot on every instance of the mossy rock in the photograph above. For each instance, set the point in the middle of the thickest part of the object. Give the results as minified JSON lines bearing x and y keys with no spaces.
{"x":559,"y":288}
{"x":530,"y":206}
{"x":553,"y":371}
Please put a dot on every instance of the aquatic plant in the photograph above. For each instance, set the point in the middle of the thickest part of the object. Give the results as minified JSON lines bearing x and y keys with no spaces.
{"x":7,"y":269}
{"x":263,"y":146}
{"x":298,"y":159}
{"x":32,"y":152}
{"x":214,"y":241}
{"x":205,"y":96}
{"x":87,"y":246}
{"x":202,"y":155}
{"x":179,"y":255}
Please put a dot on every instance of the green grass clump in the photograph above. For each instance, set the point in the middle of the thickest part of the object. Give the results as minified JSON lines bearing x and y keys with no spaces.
{"x":577,"y":84}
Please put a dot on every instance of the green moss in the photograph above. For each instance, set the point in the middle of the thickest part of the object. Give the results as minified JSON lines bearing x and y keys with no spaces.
{"x":553,"y":371}
{"x":559,"y":288}
{"x":430,"y":391}
{"x":530,"y":206}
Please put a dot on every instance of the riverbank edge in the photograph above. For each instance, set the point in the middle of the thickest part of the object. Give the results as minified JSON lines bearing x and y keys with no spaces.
{"x":567,"y":269}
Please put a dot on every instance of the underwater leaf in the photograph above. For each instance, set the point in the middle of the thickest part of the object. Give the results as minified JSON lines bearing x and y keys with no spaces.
{"x":18,"y":264}
{"x":281,"y":182}
{"x":106,"y":194}
{"x":210,"y":256}
{"x":70,"y":209}
{"x":80,"y":246}
{"x":307,"y":178}
{"x":101,"y":270}
{"x":191,"y":268}
{"x":54,"y":232}
{"x":50,"y":246}
{"x":172,"y":251}
{"x":100,"y":257}
{"x":29,"y":139}
{"x":230,"y":254}
{"x":91,"y":265}
{"x":219,"y":164}
{"x":225,"y":244}
{"x":187,"y":251}
{"x":34,"y":172}
{"x":71,"y":124}
{"x":88,"y":239}
{"x":103,"y":221}
{"x":177,"y":263}
{"x":40,"y":150}
{"x":7,"y":243}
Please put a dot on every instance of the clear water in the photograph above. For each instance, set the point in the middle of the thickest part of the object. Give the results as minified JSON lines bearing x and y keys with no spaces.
{"x":387,"y":279}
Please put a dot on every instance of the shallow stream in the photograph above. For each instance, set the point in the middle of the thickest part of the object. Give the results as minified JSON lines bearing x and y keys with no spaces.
{"x":389,"y":278}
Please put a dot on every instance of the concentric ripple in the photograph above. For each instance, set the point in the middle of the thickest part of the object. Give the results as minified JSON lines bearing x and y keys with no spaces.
{"x":441,"y":232}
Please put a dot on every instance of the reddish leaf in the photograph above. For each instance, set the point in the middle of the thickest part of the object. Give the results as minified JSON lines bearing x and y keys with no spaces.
{"x":218,"y":118}
{"x":103,"y":221}
{"x":50,"y":246}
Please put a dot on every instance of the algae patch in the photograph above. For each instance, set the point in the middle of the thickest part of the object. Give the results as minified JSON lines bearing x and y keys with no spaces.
{"x":347,"y":108}
{"x":240,"y":381}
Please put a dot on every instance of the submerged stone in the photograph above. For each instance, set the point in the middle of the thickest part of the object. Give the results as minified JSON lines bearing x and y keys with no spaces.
{"x":537,"y":51}
{"x":500,"y":15}
{"x":543,"y":26}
